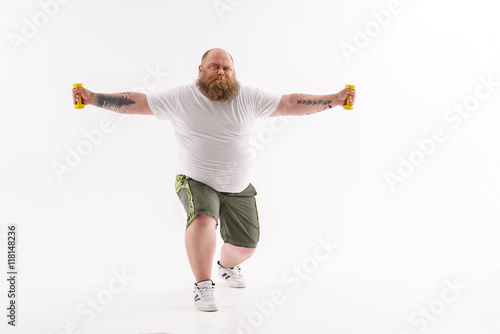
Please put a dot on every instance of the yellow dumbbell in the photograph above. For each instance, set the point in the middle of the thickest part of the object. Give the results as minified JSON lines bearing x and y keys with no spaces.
{"x":347,"y":105}
{"x":79,"y":104}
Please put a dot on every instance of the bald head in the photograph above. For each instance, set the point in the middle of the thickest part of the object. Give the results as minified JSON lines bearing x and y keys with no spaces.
{"x":218,"y":52}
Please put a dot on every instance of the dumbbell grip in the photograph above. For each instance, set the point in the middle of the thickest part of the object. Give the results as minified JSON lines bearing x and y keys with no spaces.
{"x":79,"y":104}
{"x":348,"y":105}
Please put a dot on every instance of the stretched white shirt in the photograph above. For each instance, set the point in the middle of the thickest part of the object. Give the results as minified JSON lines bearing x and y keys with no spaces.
{"x":213,"y":137}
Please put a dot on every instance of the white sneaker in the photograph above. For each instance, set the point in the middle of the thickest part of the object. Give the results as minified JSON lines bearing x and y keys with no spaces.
{"x":232,"y":276}
{"x":204,"y":296}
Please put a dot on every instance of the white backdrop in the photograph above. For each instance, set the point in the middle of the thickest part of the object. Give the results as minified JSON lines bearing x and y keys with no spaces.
{"x":383,"y":219}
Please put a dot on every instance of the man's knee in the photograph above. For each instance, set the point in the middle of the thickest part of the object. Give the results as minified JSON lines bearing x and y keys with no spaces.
{"x":204,"y":221}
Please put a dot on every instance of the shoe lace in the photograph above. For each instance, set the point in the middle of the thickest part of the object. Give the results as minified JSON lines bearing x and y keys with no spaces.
{"x":206,"y":292}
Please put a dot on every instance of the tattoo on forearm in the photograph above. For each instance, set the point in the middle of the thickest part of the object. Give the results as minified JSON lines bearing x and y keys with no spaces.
{"x":326,"y":103}
{"x":314,"y":102}
{"x":113,"y":101}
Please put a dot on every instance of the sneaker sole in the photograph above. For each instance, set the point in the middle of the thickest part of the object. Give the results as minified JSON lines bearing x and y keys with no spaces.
{"x":208,"y":308}
{"x":237,"y":285}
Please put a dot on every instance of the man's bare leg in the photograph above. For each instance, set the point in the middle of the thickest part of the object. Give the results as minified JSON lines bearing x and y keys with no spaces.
{"x":200,"y":240}
{"x":231,"y":256}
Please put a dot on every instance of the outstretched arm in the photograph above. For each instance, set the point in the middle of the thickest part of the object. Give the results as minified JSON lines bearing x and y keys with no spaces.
{"x":304,"y":104}
{"x":125,"y":103}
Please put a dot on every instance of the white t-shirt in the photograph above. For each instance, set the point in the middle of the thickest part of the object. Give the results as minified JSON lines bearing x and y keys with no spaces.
{"x":213,"y":137}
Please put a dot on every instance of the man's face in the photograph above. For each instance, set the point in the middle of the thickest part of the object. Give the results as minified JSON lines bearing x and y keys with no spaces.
{"x":217,"y":79}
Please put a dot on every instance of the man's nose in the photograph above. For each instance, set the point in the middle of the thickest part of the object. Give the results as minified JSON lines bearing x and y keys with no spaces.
{"x":220,"y":72}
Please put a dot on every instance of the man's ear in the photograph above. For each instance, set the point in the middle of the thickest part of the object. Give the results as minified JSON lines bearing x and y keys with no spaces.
{"x":199,"y":69}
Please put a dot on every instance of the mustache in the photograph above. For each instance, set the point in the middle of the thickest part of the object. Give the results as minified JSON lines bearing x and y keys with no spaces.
{"x":221,"y":84}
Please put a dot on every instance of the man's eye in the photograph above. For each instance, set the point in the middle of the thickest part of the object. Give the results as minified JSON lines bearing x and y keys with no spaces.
{"x":227,"y":69}
{"x":214,"y":66}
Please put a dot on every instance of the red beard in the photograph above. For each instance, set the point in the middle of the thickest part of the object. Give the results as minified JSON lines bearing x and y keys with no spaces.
{"x":219,"y":90}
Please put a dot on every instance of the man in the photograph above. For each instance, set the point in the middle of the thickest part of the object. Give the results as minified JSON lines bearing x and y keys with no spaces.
{"x":213,"y":119}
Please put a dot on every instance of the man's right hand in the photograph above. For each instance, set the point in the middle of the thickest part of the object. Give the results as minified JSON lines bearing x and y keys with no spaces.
{"x":88,"y":97}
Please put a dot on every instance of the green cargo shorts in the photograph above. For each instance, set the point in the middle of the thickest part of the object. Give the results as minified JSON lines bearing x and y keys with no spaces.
{"x":237,"y":212}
